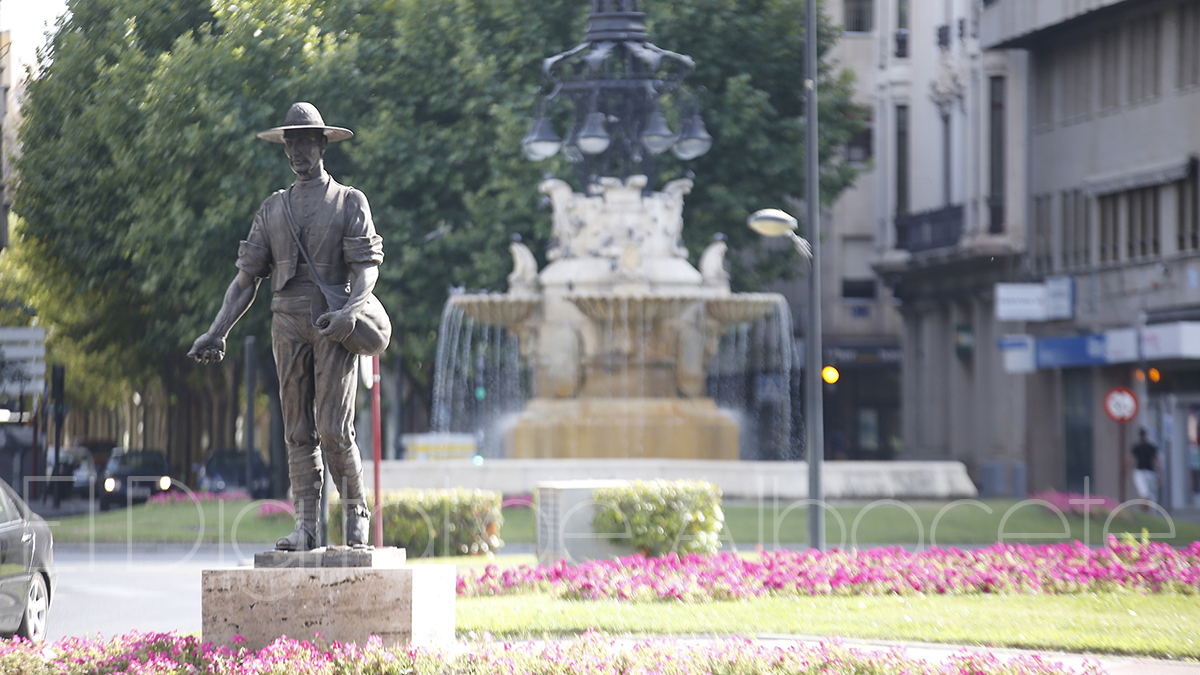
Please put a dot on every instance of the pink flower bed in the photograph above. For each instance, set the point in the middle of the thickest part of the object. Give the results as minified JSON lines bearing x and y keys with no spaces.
{"x":591,"y":654}
{"x":1000,"y":568}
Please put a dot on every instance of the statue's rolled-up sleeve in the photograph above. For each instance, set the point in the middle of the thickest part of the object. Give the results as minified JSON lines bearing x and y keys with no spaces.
{"x":254,"y":253}
{"x":361,"y":244}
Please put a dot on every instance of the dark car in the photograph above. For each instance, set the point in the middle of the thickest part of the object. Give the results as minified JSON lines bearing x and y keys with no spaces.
{"x":133,"y":476}
{"x":226,"y":470}
{"x":27,"y":573}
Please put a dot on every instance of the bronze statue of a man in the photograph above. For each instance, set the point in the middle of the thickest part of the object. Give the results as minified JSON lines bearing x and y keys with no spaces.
{"x":317,"y":374}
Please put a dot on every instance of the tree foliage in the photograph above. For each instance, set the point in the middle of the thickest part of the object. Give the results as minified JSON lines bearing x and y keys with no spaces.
{"x":140,"y":171}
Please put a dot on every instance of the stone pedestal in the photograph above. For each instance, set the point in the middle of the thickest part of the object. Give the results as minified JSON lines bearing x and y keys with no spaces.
{"x":311,"y":594}
{"x":667,"y":428}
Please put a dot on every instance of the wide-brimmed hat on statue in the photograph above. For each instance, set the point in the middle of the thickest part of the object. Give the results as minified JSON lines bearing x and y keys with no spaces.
{"x":304,"y":116}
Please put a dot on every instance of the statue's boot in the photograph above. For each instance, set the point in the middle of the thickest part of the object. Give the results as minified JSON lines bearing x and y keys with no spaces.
{"x":302,"y":538}
{"x":306,"y":493}
{"x":358,"y":526}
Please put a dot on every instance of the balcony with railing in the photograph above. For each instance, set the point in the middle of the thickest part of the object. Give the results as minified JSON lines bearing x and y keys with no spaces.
{"x":929,"y":230}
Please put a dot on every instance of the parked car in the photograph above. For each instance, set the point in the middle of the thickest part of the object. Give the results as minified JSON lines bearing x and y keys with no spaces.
{"x":226,"y":470}
{"x":76,"y":462}
{"x":27,"y":575}
{"x":133,"y":476}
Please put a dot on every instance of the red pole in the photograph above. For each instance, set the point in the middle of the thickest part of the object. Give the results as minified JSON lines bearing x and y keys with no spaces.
{"x":378,"y":443}
{"x":1121,"y":457}
{"x":35,"y":484}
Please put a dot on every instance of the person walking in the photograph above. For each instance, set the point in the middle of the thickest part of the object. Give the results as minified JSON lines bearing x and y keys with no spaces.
{"x":1145,"y":469}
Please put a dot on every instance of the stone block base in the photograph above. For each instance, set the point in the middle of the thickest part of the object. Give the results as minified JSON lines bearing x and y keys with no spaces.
{"x":668,"y":428}
{"x":413,"y":604}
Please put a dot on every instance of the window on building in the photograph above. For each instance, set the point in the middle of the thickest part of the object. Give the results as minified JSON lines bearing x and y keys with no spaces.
{"x":901,"y":160}
{"x":1107,"y":205}
{"x":1076,"y":236}
{"x":1043,"y":109}
{"x":859,"y":147}
{"x":947,"y":160}
{"x":902,"y":29}
{"x":996,"y":154}
{"x":1189,"y":222}
{"x":1040,"y":251}
{"x":1077,"y":82}
{"x":1109,"y":44}
{"x":859,"y":289}
{"x":858,"y":15}
{"x":1142,"y":226}
{"x":1189,"y":44}
{"x":1144,"y":65}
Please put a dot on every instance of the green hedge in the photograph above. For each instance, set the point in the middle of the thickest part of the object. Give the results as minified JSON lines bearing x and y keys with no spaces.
{"x":434,"y":522}
{"x":662,"y":516}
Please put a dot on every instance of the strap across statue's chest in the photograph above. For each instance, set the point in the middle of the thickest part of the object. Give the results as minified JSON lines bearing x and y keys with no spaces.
{"x":314,"y":210}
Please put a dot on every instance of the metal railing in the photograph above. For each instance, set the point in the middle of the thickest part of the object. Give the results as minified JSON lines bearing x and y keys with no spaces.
{"x":930,"y":230}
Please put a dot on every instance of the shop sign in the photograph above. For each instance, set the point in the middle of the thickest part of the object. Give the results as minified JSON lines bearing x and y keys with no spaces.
{"x":1071,"y":351}
{"x":1018,"y":352}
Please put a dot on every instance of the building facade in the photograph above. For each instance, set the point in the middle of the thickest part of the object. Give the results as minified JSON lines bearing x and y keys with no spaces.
{"x":1111,"y":147}
{"x":1052,"y":159}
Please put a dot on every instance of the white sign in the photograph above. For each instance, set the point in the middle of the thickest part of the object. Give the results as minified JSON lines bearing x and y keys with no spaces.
{"x":1018,"y":351}
{"x":22,"y":360}
{"x":1060,"y":297}
{"x":1049,"y":301}
{"x":1177,"y":340}
{"x":1121,"y":345}
{"x":1021,"y":302}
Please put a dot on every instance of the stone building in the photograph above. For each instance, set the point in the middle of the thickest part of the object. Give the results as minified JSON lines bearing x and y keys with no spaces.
{"x":1053,"y":151}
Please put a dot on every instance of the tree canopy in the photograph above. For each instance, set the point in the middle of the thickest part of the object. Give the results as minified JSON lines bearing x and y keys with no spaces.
{"x":139,"y":170}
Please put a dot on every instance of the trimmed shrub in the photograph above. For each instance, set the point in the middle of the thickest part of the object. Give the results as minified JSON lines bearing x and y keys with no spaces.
{"x":662,"y":516}
{"x":434,"y":522}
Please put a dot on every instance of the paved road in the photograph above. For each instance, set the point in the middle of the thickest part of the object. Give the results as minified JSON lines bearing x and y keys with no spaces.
{"x":112,"y":589}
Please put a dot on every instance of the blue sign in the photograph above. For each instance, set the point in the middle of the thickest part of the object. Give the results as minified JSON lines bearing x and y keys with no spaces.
{"x":1071,"y":351}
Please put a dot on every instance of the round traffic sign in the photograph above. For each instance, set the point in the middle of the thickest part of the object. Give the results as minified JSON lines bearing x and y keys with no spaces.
{"x":1121,"y":405}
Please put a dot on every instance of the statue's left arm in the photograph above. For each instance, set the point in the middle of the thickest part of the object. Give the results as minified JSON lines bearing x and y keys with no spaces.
{"x":362,"y":251}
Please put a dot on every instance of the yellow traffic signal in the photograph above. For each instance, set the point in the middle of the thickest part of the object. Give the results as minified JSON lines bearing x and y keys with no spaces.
{"x":830,"y":374}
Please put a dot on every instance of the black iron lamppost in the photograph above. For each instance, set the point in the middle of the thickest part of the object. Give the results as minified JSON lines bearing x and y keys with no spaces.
{"x":621,"y":89}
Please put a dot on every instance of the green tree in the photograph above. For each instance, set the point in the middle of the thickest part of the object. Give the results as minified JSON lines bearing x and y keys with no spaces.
{"x":140,"y":171}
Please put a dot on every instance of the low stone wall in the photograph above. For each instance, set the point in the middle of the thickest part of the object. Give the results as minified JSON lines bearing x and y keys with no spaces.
{"x":738,"y":479}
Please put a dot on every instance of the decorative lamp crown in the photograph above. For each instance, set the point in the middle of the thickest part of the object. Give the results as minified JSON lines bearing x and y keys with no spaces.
{"x":622,"y":90}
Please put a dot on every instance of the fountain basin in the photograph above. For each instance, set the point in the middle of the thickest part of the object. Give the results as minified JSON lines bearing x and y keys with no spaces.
{"x":497,"y":309}
{"x":665,"y":428}
{"x":635,"y":309}
{"x":741,"y":307}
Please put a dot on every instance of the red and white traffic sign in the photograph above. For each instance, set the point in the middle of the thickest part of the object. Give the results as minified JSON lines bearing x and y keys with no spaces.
{"x":1121,"y":405}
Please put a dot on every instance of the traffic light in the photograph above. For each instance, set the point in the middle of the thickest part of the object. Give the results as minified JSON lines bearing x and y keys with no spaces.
{"x":830,"y":375}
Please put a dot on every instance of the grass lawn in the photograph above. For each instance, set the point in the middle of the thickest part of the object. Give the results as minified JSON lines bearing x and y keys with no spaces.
{"x":174,"y":523}
{"x":1164,"y":626}
{"x":770,"y":524}
{"x":887,"y":522}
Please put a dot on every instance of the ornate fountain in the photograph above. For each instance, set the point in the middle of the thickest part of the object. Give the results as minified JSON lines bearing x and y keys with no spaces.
{"x":619,"y":328}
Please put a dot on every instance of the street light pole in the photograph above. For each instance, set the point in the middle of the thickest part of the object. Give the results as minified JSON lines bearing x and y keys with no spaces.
{"x":815,"y":427}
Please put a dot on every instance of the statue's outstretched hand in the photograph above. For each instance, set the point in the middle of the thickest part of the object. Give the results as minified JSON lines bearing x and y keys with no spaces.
{"x":337,"y":326}
{"x":208,"y":349}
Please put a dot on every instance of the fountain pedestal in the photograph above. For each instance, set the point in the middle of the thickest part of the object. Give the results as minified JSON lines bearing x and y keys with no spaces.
{"x":665,"y":428}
